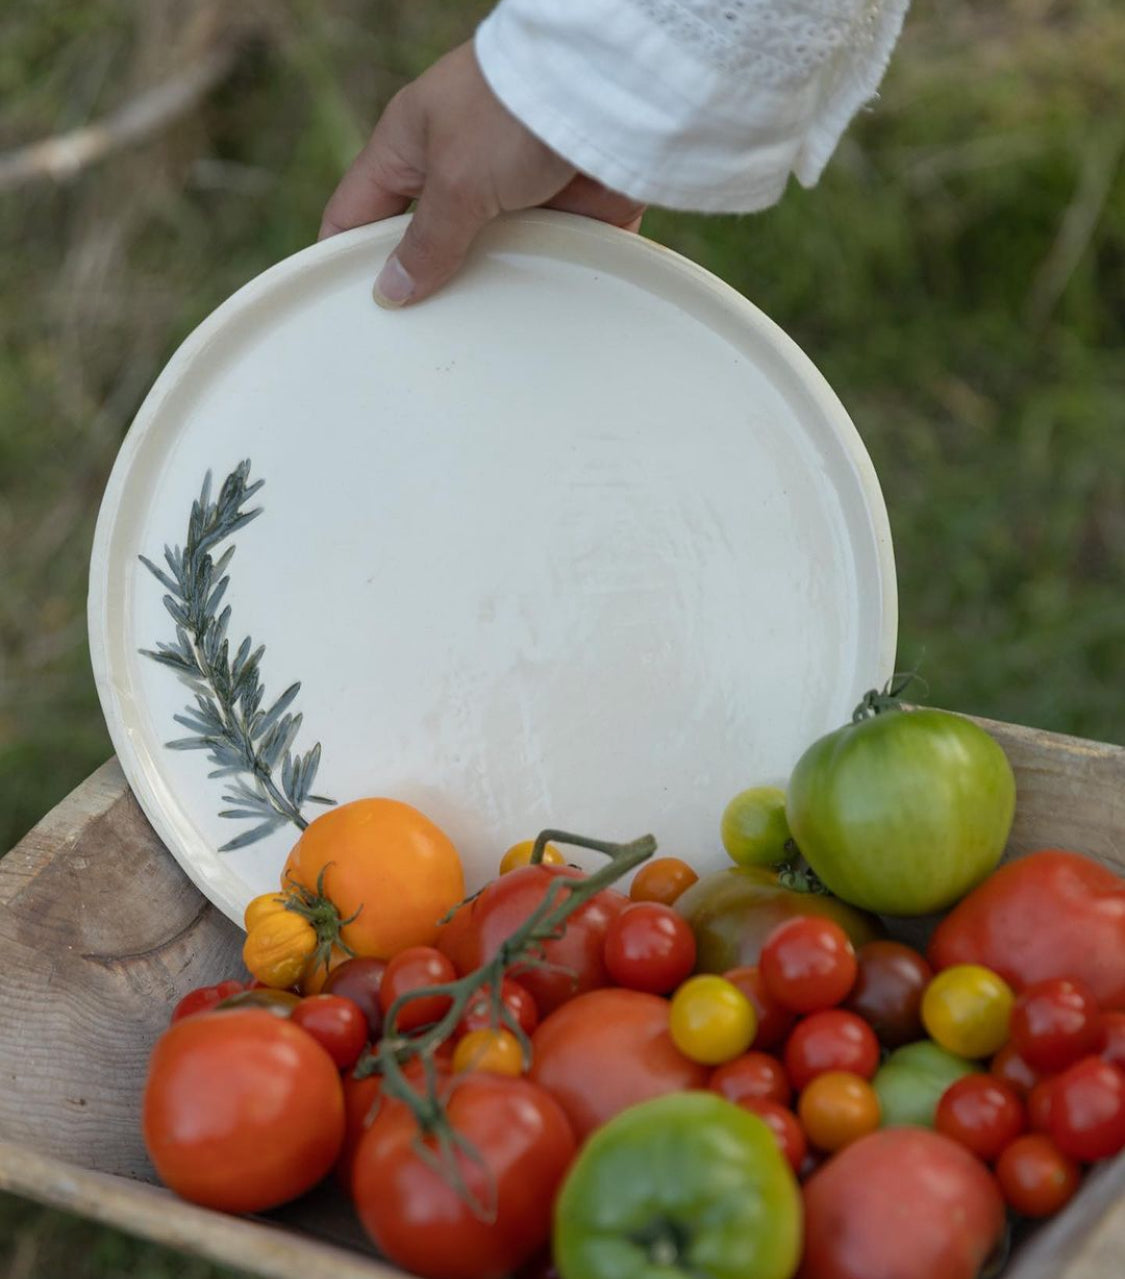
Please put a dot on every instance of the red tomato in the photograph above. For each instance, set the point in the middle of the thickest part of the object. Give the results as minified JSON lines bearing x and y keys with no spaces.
{"x":782,"y":1122}
{"x":1050,"y":914}
{"x":1037,"y":1179}
{"x":887,"y":994}
{"x":1039,"y":1105}
{"x":242,"y":1110}
{"x":575,"y":961}
{"x":455,"y":937}
{"x":1054,"y":1022}
{"x":830,"y":1040}
{"x":981,"y":1112}
{"x":606,"y":1050}
{"x":359,"y":980}
{"x":1087,"y":1119}
{"x":204,"y":998}
{"x":411,"y":970}
{"x":1009,"y":1066}
{"x":649,"y":947}
{"x":808,"y":963}
{"x":360,"y":1098}
{"x":337,"y":1024}
{"x":513,"y":996}
{"x":1114,"y":1048}
{"x":900,"y":1203}
{"x":774,"y":1020}
{"x":418,"y":1220}
{"x":754,"y":1074}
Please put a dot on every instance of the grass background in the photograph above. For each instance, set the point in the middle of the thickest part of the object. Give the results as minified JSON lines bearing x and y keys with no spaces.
{"x":958,"y":275}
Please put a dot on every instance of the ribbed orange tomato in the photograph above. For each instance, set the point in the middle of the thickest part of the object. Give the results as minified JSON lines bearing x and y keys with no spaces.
{"x":385,"y":863}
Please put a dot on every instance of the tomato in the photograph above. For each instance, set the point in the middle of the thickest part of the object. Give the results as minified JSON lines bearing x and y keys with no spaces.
{"x":337,"y":1025}
{"x":838,"y":1108}
{"x":385,"y":863}
{"x":1036,"y":1178}
{"x":606,"y":1050}
{"x":982,"y":1113}
{"x":411,"y":970}
{"x":278,"y":1002}
{"x":498,"y":1051}
{"x":649,"y":947}
{"x":902,"y":812}
{"x":912,"y":1079}
{"x":204,"y":998}
{"x":887,"y":994}
{"x":782,"y":1122}
{"x":732,"y":912}
{"x":279,"y":947}
{"x":1039,"y":1101}
{"x":832,"y":1040}
{"x":242,"y":1110}
{"x":664,"y":880}
{"x":1055,"y":1022}
{"x":514,"y":998}
{"x":318,"y":970}
{"x":808,"y":963}
{"x":774,"y":1020}
{"x":1087,"y":1114}
{"x":418,"y":1220}
{"x":520,"y":855}
{"x":679,"y":1188}
{"x":1050,"y":914}
{"x":754,"y":830}
{"x":575,"y":961}
{"x":1011,"y":1068}
{"x":1114,"y":1047}
{"x":711,"y":1020}
{"x":967,"y":1009}
{"x":901,"y":1203}
{"x":359,"y":980}
{"x":754,"y":1074}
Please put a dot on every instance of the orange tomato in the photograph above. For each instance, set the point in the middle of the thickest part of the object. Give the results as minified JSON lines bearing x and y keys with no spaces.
{"x":662,"y":880}
{"x":838,"y":1108}
{"x":316,"y":971}
{"x":497,"y":1051}
{"x":385,"y":863}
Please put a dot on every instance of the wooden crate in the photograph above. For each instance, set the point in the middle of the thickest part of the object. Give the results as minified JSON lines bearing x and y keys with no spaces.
{"x":101,"y":933}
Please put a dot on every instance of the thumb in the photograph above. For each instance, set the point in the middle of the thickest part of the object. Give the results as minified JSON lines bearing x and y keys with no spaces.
{"x":446,"y":221}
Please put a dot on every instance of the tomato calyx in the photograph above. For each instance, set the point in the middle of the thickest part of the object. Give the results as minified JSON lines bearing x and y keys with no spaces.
{"x":889,"y":698}
{"x":801,"y":879}
{"x":664,"y":1241}
{"x":321,"y":912}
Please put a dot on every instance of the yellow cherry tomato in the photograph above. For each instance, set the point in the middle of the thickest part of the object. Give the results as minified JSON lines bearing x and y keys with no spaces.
{"x":837,"y":1108}
{"x":754,"y":828}
{"x":497,"y":1051}
{"x":966,"y":1009}
{"x":263,"y":907}
{"x":520,"y":855}
{"x":711,"y":1020}
{"x":278,"y":948}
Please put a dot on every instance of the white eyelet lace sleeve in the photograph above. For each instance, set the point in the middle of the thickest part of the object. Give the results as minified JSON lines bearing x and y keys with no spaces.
{"x":692,"y":104}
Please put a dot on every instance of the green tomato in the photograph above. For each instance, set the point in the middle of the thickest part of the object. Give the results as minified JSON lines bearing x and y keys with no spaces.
{"x":687,"y":1185}
{"x":732,"y":912}
{"x":903,"y":812}
{"x":911,"y":1081}
{"x":754,"y":829}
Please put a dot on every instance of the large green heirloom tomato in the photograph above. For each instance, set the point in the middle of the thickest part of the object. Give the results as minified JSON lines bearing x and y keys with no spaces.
{"x":902,"y":812}
{"x":732,"y":912}
{"x":688,"y":1185}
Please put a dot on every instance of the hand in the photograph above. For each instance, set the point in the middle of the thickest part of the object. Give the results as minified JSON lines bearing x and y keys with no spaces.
{"x":447,"y":141}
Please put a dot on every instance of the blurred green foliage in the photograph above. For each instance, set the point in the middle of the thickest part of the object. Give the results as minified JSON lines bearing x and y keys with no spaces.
{"x":958,"y":275}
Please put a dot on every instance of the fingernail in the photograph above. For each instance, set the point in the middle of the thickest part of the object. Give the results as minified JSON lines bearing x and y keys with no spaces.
{"x":393,"y":285}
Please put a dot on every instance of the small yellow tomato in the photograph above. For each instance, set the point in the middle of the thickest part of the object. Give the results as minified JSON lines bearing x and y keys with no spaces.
{"x":754,"y":828}
{"x":263,"y":907}
{"x":711,"y":1020}
{"x":497,"y":1051}
{"x":966,"y":1009}
{"x":837,"y":1108}
{"x":520,"y":855}
{"x":278,"y":948}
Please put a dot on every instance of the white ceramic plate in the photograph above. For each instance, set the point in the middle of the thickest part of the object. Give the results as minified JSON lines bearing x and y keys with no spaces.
{"x":585,"y":541}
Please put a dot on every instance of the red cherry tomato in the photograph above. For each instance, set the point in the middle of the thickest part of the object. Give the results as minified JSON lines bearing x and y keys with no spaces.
{"x":808,"y":963}
{"x":832,"y":1040}
{"x":359,"y":980}
{"x":649,"y":947}
{"x":337,"y":1024}
{"x":514,"y":998}
{"x":1010,"y":1067}
{"x":1114,"y":1048}
{"x":774,"y":1020}
{"x":782,"y":1122}
{"x":1039,"y":1105}
{"x":360,"y":1099}
{"x":981,"y":1112}
{"x":411,"y":970}
{"x":1055,"y":1022}
{"x":754,"y":1074}
{"x":887,"y":994}
{"x":204,"y":998}
{"x":1087,"y":1120}
{"x":1036,"y":1177}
